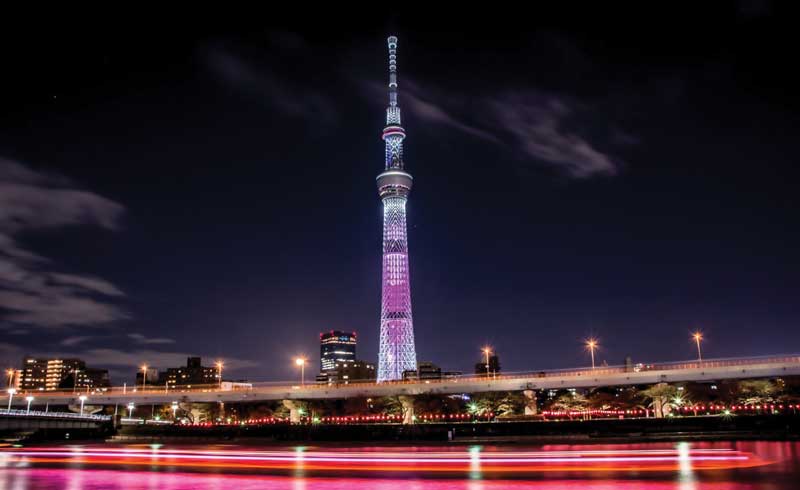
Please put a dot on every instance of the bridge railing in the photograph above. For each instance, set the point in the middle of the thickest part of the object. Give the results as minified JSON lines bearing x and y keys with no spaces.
{"x":280,"y":386}
{"x":55,"y":415}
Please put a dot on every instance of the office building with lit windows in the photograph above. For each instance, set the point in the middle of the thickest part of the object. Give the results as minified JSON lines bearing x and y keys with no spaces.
{"x":336,"y":347}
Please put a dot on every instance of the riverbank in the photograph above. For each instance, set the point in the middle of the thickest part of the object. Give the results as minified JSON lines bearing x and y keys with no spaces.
{"x":706,"y":428}
{"x":770,"y":427}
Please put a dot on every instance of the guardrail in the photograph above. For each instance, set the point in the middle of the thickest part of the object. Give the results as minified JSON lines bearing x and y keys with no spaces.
{"x":54,"y":415}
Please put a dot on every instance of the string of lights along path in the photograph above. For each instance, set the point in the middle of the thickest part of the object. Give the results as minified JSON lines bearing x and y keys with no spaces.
{"x":397,"y":352}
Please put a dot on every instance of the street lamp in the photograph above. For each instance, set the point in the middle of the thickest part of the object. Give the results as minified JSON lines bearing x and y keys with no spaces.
{"x":131,"y":406}
{"x":219,"y":373}
{"x":698,"y":336}
{"x":487,"y":351}
{"x":82,"y":398}
{"x":174,"y":409}
{"x":10,"y":373}
{"x":29,"y":399}
{"x":144,"y":376}
{"x":11,"y":392}
{"x":591,"y":344}
{"x":302,"y":363}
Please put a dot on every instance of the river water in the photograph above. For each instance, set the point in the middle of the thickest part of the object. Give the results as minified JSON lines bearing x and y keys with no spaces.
{"x":656,"y":466}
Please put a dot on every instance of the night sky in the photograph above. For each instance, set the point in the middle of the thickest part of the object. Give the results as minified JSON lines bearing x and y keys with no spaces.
{"x":173,"y":188}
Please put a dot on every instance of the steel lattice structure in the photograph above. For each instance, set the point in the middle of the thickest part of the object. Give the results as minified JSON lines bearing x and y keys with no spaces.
{"x":397,"y":350}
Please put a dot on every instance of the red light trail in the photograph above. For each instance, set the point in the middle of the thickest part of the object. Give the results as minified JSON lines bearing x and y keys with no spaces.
{"x":467,"y":461}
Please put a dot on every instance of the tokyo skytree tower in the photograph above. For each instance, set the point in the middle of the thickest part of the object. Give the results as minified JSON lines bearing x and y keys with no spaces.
{"x":397,"y":351}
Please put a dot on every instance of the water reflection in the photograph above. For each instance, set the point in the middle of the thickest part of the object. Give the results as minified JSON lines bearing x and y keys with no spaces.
{"x":475,"y":463}
{"x":685,"y":472}
{"x":52,"y":479}
{"x":685,"y":475}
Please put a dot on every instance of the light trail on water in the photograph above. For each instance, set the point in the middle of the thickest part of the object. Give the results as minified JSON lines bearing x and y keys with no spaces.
{"x":464,"y":462}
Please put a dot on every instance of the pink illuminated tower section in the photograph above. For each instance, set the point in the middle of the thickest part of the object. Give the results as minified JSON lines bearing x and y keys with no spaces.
{"x":397,"y":351}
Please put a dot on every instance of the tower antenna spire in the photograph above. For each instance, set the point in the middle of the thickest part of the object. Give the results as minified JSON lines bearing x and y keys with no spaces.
{"x":392,"y":42}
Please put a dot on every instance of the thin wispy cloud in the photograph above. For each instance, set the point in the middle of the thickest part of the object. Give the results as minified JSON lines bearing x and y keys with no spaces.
{"x":142,"y":339}
{"x":294,"y":98}
{"x":434,"y":113}
{"x":33,"y":292}
{"x":536,"y":126}
{"x":75,"y":340}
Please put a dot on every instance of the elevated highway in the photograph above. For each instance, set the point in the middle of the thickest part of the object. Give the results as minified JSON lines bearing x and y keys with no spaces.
{"x":709,"y":370}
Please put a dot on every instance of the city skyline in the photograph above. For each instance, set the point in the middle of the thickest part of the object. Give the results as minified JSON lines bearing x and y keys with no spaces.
{"x":208,"y":194}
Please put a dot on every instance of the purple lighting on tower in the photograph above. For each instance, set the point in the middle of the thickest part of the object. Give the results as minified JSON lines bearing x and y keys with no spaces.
{"x":397,"y":351}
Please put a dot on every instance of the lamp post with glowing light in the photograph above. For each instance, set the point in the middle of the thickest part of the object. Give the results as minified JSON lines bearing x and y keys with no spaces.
{"x":144,"y":376}
{"x":302,"y":363}
{"x":487,"y":351}
{"x":219,"y":372}
{"x":174,"y":410}
{"x":29,"y":399}
{"x":11,"y":392}
{"x":591,"y":344}
{"x":698,"y":336}
{"x":131,"y":406}
{"x":82,"y":398}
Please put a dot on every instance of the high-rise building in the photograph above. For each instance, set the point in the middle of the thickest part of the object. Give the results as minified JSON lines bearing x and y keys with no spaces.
{"x":86,"y":379}
{"x":348,"y":372}
{"x":34,"y":374}
{"x":336,"y":347}
{"x":193,"y":374}
{"x":60,"y":374}
{"x":424,"y":370}
{"x":397,"y":352}
{"x":58,"y":369}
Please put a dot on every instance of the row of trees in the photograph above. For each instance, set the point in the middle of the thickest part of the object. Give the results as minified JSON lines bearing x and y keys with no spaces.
{"x":662,"y":399}
{"x":658,"y":400}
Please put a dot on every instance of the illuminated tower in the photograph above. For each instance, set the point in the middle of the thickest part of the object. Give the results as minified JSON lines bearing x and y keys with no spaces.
{"x":397,"y":352}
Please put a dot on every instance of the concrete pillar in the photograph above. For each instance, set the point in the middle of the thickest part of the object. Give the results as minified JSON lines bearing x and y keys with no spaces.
{"x":294,"y":407}
{"x":530,"y":402}
{"x":87,"y":409}
{"x":408,"y":409}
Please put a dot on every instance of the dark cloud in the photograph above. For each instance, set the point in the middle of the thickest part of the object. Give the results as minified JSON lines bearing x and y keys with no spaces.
{"x":31,"y":293}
